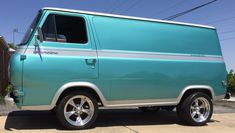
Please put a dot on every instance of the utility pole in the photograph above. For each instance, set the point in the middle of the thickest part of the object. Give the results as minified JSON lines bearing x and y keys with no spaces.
{"x":15,"y":30}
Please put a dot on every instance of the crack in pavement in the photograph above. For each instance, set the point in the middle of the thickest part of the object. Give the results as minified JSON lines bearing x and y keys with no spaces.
{"x":130,"y":129}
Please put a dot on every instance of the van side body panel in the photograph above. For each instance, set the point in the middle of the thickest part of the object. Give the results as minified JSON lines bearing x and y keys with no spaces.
{"x":124,"y":47}
{"x":137,"y":35}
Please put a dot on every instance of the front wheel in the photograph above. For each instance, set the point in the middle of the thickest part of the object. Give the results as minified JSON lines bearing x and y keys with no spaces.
{"x":196,"y":109}
{"x":77,"y":110}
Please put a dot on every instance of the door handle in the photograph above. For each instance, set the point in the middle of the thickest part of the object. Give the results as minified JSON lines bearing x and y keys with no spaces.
{"x":91,"y":62}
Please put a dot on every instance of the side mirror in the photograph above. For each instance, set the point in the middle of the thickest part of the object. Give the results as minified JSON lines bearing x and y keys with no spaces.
{"x":40,"y":35}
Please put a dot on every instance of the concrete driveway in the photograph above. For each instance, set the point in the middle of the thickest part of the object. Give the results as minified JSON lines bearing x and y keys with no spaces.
{"x":116,"y":121}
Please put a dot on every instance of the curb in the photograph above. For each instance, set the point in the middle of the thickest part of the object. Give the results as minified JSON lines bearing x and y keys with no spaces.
{"x":231,"y":99}
{"x":6,"y":109}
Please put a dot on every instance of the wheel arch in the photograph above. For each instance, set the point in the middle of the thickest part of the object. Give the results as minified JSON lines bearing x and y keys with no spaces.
{"x":195,"y":88}
{"x":90,"y":87}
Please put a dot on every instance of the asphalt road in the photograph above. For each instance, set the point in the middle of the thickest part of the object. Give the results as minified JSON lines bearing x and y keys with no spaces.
{"x":121,"y":120}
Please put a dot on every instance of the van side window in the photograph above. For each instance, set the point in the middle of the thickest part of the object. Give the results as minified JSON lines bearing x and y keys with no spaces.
{"x":59,"y":28}
{"x":48,"y":29}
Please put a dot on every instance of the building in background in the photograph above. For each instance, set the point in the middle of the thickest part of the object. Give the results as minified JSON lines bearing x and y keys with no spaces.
{"x":5,"y":53}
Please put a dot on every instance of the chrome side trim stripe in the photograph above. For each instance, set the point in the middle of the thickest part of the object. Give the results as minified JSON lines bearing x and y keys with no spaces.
{"x":138,"y":103}
{"x":123,"y":54}
{"x":38,"y":107}
{"x":156,"y":55}
{"x":60,"y":52}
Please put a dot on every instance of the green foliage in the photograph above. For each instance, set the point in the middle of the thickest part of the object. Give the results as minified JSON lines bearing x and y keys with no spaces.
{"x":231,"y":81}
{"x":9,"y":88}
{"x":1,"y":99}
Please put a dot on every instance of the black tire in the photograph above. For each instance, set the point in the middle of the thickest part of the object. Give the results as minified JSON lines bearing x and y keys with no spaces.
{"x":151,"y":109}
{"x":53,"y":111}
{"x":184,"y":110}
{"x":65,"y":101}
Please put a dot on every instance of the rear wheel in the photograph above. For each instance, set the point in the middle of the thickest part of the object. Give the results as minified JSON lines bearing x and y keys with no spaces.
{"x":196,"y":109}
{"x":151,"y":109}
{"x":77,"y":110}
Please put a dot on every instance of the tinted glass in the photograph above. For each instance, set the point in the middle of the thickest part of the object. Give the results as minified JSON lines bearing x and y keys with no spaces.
{"x":59,"y":28}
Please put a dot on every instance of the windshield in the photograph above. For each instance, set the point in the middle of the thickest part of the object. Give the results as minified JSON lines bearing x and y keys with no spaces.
{"x":30,"y":29}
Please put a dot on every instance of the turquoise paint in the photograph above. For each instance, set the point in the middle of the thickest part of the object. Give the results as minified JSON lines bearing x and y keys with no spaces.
{"x":16,"y":75}
{"x":130,"y":35}
{"x":53,"y":71}
{"x":50,"y":73}
{"x":134,"y":79}
{"x":158,"y":79}
{"x":122,"y":78}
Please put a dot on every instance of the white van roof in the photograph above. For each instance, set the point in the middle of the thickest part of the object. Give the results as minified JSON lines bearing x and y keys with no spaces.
{"x":127,"y":17}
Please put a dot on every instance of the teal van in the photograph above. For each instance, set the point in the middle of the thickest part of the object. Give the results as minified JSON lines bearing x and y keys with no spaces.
{"x":76,"y":62}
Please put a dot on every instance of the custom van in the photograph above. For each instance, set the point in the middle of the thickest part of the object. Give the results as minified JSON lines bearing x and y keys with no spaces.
{"x":76,"y":62}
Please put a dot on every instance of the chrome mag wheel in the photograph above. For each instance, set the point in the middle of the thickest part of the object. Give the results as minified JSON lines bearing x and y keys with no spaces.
{"x":79,"y":110}
{"x":196,"y":109}
{"x":200,"y":109}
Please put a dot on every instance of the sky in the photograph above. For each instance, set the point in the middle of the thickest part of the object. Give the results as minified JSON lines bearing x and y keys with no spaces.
{"x":18,"y":14}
